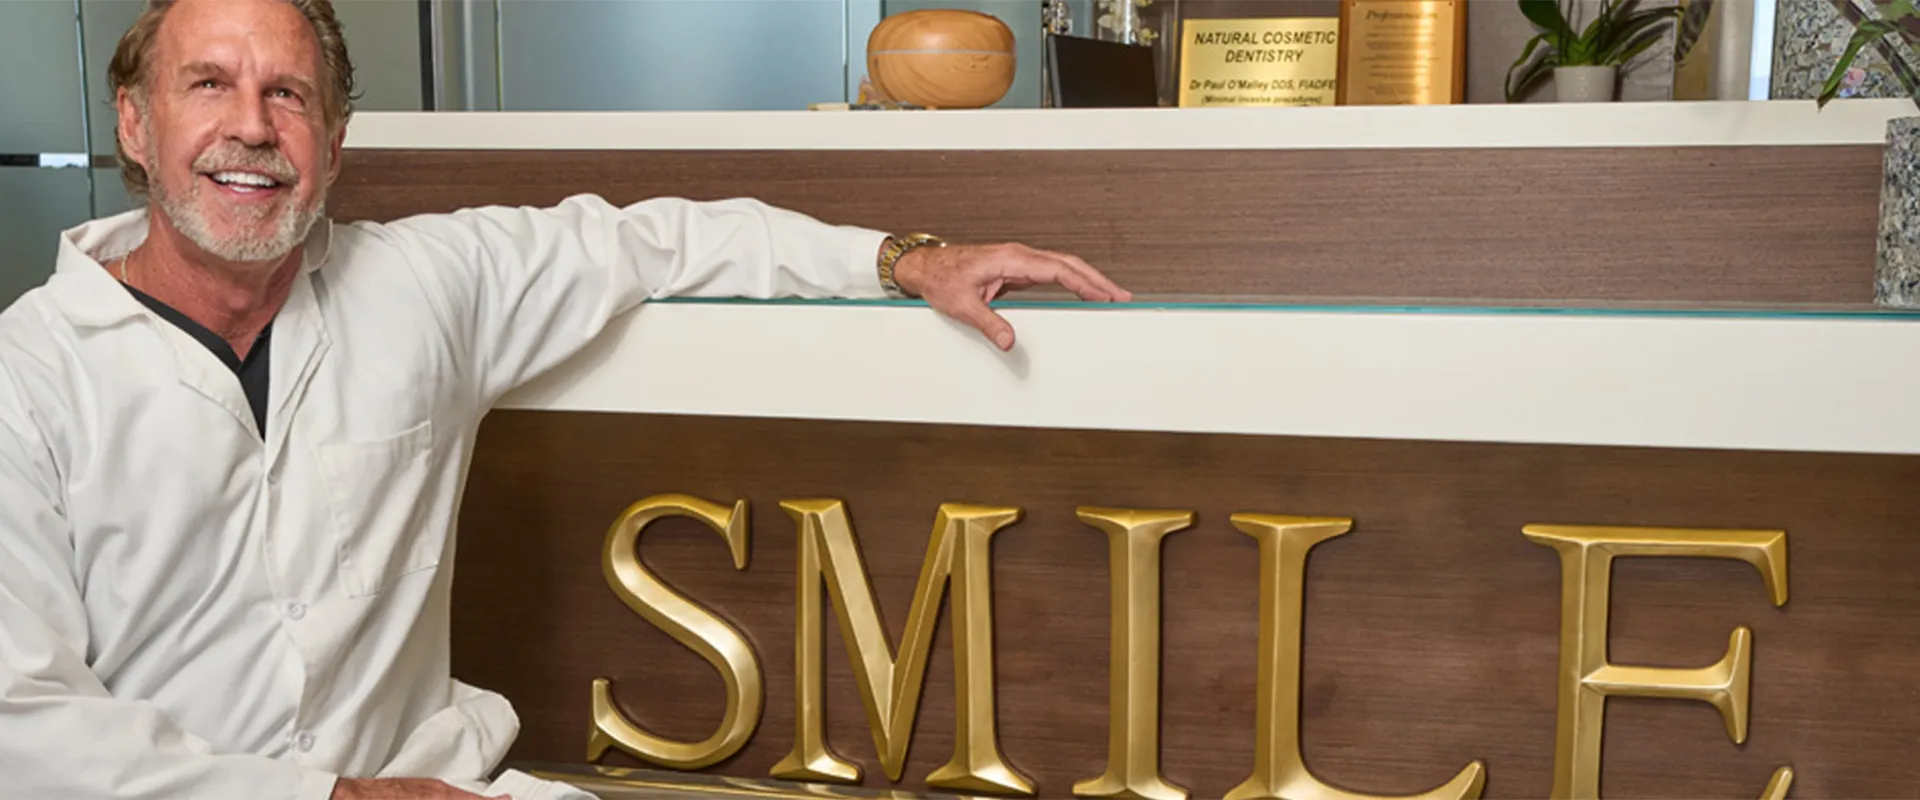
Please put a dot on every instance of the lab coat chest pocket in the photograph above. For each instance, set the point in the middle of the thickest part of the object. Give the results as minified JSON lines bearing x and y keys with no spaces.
{"x":375,"y":490}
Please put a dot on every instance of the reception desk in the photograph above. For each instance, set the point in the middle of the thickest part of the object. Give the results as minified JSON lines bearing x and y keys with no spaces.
{"x":1633,"y":513}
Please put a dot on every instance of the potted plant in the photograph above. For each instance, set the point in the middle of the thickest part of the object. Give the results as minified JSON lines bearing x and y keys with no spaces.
{"x":1585,"y":63}
{"x":1893,"y":28}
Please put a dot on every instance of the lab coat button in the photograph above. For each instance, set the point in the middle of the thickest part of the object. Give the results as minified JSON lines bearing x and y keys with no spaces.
{"x":296,"y":610}
{"x":304,"y":741}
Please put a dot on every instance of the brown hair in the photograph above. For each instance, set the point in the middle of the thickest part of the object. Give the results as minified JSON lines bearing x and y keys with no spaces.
{"x":128,"y":70}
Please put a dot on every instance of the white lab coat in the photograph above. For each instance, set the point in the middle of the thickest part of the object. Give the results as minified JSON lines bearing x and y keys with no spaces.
{"x":190,"y":611}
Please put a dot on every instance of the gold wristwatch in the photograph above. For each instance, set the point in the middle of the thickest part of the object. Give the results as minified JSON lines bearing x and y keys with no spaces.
{"x":898,"y":247}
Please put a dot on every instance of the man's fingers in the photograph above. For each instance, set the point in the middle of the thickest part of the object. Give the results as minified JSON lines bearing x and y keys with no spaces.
{"x":1040,"y":267}
{"x":973,"y":280}
{"x":971,"y":310}
{"x":1076,"y":276}
{"x":1099,"y":279}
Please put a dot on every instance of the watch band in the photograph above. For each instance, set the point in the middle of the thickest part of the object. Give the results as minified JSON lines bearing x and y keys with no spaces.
{"x":898,"y":247}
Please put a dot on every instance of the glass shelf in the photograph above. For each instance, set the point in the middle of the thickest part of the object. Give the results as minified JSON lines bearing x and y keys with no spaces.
{"x":1405,"y":306}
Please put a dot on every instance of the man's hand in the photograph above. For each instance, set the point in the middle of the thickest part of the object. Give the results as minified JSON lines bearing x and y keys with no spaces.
{"x":960,"y":280}
{"x":398,"y":789}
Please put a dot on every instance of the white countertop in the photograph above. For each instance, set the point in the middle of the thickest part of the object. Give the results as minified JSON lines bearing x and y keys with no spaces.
{"x":1669,"y":124}
{"x":1828,"y":384}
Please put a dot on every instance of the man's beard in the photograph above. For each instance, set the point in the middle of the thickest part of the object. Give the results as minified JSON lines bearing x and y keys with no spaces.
{"x":288,"y":231}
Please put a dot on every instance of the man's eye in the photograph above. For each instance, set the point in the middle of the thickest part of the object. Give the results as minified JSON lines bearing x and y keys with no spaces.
{"x":208,"y":83}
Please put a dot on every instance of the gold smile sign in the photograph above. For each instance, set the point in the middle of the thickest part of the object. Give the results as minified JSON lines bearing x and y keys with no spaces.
{"x":957,"y":570}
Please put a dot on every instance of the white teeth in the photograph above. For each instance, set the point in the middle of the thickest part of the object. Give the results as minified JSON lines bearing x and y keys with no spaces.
{"x":245,"y":179}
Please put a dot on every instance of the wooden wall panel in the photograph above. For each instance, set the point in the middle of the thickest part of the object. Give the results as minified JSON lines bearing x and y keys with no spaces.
{"x":1432,"y":629}
{"x":1697,"y":225}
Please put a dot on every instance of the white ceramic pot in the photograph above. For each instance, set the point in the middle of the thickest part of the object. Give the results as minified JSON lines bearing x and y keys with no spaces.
{"x":1585,"y":84}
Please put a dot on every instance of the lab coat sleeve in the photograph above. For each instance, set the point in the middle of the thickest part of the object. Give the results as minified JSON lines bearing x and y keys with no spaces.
{"x":532,"y":286}
{"x":62,"y":734}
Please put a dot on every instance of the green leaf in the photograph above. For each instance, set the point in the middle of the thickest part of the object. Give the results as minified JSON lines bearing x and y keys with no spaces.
{"x":1906,"y":20}
{"x":1572,"y":54}
{"x":1631,"y":37}
{"x":1863,"y":34}
{"x":1526,"y":52}
{"x":1532,"y":72}
{"x":1612,"y":36}
{"x":1546,"y":14}
{"x":1631,"y":24}
{"x":1596,"y":28}
{"x":1625,"y":9}
{"x":1636,"y":47}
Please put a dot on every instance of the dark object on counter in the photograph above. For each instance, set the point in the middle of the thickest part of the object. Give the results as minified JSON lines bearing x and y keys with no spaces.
{"x":1089,"y":73}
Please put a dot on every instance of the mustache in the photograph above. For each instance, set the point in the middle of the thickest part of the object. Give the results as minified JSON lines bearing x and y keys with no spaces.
{"x":268,"y":161}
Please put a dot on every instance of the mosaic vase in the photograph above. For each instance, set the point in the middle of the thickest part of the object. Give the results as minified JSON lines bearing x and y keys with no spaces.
{"x":1897,"y":272}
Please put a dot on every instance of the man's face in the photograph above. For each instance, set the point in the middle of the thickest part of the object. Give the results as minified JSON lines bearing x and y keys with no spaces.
{"x":233,"y":134}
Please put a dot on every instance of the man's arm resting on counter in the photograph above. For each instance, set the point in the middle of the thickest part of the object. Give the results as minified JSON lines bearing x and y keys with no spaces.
{"x":529,"y":287}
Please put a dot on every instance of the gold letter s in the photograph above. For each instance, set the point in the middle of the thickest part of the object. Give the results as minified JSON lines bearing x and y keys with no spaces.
{"x":721,"y":644}
{"x":1587,"y":679}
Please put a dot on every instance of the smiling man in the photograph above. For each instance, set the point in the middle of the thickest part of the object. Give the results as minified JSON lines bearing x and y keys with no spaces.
{"x":233,"y":435}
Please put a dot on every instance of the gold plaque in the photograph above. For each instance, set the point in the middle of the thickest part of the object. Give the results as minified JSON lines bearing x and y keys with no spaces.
{"x":1402,"y":52}
{"x":1289,"y":61}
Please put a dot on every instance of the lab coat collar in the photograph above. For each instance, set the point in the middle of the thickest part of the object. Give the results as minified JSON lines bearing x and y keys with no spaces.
{"x":90,"y":296}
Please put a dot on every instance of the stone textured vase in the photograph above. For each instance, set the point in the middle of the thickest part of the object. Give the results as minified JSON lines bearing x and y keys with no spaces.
{"x":1897,"y":272}
{"x":1585,"y":84}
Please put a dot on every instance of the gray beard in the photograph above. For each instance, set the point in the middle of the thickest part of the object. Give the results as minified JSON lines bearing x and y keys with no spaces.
{"x":288,"y":232}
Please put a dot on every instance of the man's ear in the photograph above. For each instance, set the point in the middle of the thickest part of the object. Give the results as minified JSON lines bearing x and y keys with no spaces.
{"x":334,"y":146}
{"x":130,"y":129}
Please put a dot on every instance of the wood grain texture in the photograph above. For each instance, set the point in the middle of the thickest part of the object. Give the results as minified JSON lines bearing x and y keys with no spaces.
{"x":941,"y":58}
{"x":1739,"y":225}
{"x":1432,"y":630}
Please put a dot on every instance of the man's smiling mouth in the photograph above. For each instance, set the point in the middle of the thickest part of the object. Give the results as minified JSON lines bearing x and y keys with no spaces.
{"x":242,"y":181}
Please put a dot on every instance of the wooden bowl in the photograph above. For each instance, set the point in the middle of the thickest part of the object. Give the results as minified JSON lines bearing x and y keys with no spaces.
{"x":941,"y":58}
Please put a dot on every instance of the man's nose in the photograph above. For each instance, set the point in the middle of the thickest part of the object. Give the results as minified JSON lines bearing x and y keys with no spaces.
{"x":250,"y":122}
